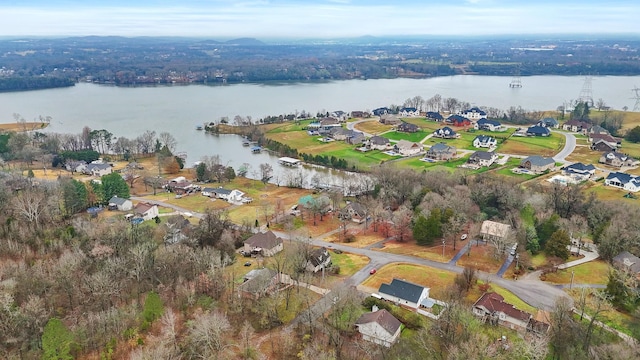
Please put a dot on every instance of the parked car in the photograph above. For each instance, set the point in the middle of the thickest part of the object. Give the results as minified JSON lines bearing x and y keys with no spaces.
{"x":513,"y":249}
{"x":248,"y":263}
{"x":463,"y":237}
{"x":373,"y":271}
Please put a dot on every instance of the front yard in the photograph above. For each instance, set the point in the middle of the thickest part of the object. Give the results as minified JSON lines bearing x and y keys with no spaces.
{"x":435,"y":279}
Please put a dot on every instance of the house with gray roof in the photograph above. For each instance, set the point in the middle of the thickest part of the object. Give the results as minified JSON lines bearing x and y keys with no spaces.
{"x":623,"y":181}
{"x":617,"y":159}
{"x":355,"y":137}
{"x":537,"y":163}
{"x":537,"y":130}
{"x":628,"y":262}
{"x":318,"y":259}
{"x":407,"y":127}
{"x":487,"y":124}
{"x":266,"y":244}
{"x":483,"y":158}
{"x":353,"y":211}
{"x":579,"y":171}
{"x":484,"y":141}
{"x":97,"y":170}
{"x":404,"y":293}
{"x":120,"y":204}
{"x":409,"y":112}
{"x":446,"y":133}
{"x":549,"y":122}
{"x":389,"y":119}
{"x":258,"y":282}
{"x":441,"y":151}
{"x":378,"y":143}
{"x":379,"y":327}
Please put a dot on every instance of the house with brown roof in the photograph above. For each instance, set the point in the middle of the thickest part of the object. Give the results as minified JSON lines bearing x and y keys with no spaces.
{"x":146,"y":211}
{"x":407,"y":148}
{"x":407,"y":127}
{"x":492,"y":308}
{"x":318,"y":259}
{"x":441,"y":151}
{"x":353,"y":211}
{"x":378,"y":143}
{"x":576,"y":126}
{"x":379,"y":327}
{"x":265,"y":244}
{"x":610,"y":141}
{"x":491,"y":229}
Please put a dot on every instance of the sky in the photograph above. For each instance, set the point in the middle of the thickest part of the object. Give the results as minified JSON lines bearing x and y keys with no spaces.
{"x":316,"y":18}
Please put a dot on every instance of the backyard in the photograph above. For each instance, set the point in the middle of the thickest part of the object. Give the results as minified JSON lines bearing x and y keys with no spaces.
{"x":524,"y":145}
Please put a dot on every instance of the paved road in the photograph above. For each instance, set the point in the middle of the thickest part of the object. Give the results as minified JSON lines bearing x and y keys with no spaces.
{"x":534,"y":292}
{"x":569,"y":147}
{"x":351,"y":125}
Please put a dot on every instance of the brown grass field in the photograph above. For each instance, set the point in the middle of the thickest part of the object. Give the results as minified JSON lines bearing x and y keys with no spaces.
{"x":361,"y":240}
{"x":27,"y":126}
{"x":437,"y":280}
{"x":481,"y":258}
{"x":372,"y":127}
{"x":412,"y":249}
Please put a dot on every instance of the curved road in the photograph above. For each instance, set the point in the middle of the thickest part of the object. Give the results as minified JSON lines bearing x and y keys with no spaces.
{"x":569,"y":147}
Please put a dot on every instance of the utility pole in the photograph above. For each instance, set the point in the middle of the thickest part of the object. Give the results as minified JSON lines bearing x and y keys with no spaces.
{"x":571,"y":285}
{"x":442,"y":249}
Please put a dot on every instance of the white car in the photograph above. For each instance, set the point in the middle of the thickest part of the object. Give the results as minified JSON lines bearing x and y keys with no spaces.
{"x":463,"y":237}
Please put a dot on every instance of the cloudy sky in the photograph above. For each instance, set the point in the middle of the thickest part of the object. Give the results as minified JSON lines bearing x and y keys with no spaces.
{"x":315,"y":18}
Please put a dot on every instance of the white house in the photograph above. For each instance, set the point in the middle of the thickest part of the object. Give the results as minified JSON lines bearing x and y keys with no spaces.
{"x":489,"y":125}
{"x":624,"y":181}
{"x":96,"y":169}
{"x":483,"y":158}
{"x":408,"y":112}
{"x":146,"y":210}
{"x":379,"y":327}
{"x":235,"y":196}
{"x":208,"y":192}
{"x":407,"y":148}
{"x":474,"y":113}
{"x":121,"y":204}
{"x":579,"y":171}
{"x":484,"y":141}
{"x":404,"y":293}
{"x":378,"y":143}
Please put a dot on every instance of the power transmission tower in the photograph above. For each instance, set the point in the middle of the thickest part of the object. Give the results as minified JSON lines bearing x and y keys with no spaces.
{"x":515,"y":81}
{"x":636,"y":91}
{"x":586,"y":94}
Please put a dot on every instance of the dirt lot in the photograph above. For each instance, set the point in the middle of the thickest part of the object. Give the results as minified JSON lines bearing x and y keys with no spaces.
{"x":481,"y":258}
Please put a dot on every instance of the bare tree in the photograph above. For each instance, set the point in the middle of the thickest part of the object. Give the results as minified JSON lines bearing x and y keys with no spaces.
{"x":266,"y":172}
{"x":402,"y":223}
{"x":206,"y":335}
{"x":168,"y":140}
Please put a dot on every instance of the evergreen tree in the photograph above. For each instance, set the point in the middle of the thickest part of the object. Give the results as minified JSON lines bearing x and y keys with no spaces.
{"x":113,"y":184}
{"x":421,"y":231}
{"x":558,"y":245}
{"x":75,"y":196}
{"x":56,"y":341}
{"x":201,"y":172}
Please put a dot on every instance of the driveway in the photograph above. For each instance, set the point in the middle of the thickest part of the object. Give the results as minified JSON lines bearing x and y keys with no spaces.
{"x":170,"y":206}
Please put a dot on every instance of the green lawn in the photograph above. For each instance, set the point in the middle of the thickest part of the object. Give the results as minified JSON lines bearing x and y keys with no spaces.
{"x":349,"y":263}
{"x":413,"y":137}
{"x":418,"y":164}
{"x":593,"y":272}
{"x":290,"y":126}
{"x":632,"y":149}
{"x":513,"y":163}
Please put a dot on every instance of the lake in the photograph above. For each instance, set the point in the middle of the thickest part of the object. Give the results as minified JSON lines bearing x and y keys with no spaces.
{"x":129,"y":111}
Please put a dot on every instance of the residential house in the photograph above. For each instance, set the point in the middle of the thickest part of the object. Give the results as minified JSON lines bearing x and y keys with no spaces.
{"x":320,"y":204}
{"x":434,"y":116}
{"x":612,"y":142}
{"x":329,"y":121}
{"x":404,"y":293}
{"x":487,"y":124}
{"x":492,"y":308}
{"x":380,"y":111}
{"x":407,"y":148}
{"x":597,"y":129}
{"x":360,"y":114}
{"x":458,"y":120}
{"x":75,"y":165}
{"x":623,"y":181}
{"x":474,"y":113}
{"x":441,"y":151}
{"x":378,"y":143}
{"x":236,"y":196}
{"x":579,"y":171}
{"x":98,"y":169}
{"x":537,"y":163}
{"x":340,"y":115}
{"x":408,"y":112}
{"x":178,"y":227}
{"x":379,"y":327}
{"x":146,"y":211}
{"x":220,"y":193}
{"x":407,"y":127}
{"x":540,"y":323}
{"x":446,"y":133}
{"x":491,"y":230}
{"x":355,"y":138}
{"x":265,"y":244}
{"x":389,"y":119}
{"x":339,"y":133}
{"x":617,"y":159}
{"x":120,"y":204}
{"x":483,"y":158}
{"x":208,"y":192}
{"x":258,"y":282}
{"x":318,"y":259}
{"x":603,"y":146}
{"x":537,"y":130}
{"x":575,"y":125}
{"x":353,"y":211}
{"x":628,"y":262}
{"x":549,"y":122}
{"x":484,"y":141}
